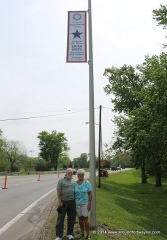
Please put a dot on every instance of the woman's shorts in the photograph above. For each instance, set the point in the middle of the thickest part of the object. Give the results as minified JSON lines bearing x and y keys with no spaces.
{"x":82,"y":210}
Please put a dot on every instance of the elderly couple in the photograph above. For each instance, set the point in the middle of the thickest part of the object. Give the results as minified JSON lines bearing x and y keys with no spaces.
{"x":74,"y":197}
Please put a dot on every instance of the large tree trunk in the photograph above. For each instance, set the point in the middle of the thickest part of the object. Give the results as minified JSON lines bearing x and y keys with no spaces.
{"x":158,"y":174}
{"x":11,"y":166}
{"x":158,"y":179}
{"x":55,"y":166}
{"x":143,"y":175}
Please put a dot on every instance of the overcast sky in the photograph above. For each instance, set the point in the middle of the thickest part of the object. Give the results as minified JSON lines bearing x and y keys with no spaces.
{"x":36,"y":81}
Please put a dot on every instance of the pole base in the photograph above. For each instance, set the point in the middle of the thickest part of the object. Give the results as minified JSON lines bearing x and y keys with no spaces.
{"x":4,"y":188}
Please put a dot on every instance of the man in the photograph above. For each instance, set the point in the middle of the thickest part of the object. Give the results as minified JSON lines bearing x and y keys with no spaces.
{"x":66,"y":204}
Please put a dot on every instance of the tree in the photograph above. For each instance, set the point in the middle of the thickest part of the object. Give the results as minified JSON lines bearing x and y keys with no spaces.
{"x":3,"y":159}
{"x":42,"y":165}
{"x":75,"y":162}
{"x":125,"y":85}
{"x":82,"y":161}
{"x":70,"y":165}
{"x":141,"y":94}
{"x":64,"y":160}
{"x":51,"y":146}
{"x":155,"y":69}
{"x":160,"y":15}
{"x":1,"y":140}
{"x":14,"y":152}
{"x":27,"y":163}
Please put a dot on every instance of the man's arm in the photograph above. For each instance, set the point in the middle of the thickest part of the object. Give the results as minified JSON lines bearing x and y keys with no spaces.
{"x":60,"y":204}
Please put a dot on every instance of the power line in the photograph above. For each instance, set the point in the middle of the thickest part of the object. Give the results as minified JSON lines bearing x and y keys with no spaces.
{"x":46,"y":116}
{"x":33,"y":117}
{"x":108,"y":108}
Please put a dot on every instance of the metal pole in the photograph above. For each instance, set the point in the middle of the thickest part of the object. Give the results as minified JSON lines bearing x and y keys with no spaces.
{"x":92,"y":166}
{"x":119,"y":157}
{"x":99,"y":154}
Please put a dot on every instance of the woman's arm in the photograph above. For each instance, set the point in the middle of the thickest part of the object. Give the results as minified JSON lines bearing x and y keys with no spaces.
{"x":90,"y":201}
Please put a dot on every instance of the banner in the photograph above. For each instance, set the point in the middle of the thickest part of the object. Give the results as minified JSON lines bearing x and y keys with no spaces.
{"x":76,"y":37}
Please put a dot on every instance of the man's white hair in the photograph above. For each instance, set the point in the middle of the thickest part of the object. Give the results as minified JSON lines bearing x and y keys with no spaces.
{"x":69,"y":170}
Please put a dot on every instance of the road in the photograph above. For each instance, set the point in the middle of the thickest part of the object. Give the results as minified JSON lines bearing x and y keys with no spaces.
{"x":24,"y":198}
{"x":23,"y":202}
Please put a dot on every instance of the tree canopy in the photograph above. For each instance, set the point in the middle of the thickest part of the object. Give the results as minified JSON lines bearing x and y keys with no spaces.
{"x":160,"y":15}
{"x":51,"y":146}
{"x":81,"y":162}
{"x":141,"y":95}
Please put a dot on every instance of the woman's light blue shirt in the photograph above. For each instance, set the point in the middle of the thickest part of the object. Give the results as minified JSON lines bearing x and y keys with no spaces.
{"x":81,"y":192}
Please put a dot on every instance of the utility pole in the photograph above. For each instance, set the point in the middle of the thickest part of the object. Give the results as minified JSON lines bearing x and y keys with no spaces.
{"x":100,"y":144}
{"x":92,"y":165}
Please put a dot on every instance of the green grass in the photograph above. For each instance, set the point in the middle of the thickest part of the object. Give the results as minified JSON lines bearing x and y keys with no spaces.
{"x":124,"y":204}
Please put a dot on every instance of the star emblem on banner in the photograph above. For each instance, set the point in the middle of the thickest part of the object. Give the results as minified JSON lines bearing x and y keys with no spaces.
{"x":76,"y":34}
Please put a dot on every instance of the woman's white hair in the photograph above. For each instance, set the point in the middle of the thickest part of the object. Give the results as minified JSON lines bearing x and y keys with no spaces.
{"x":81,"y":171}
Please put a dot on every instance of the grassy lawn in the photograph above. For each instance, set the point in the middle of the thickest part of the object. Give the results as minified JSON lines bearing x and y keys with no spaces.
{"x":124,"y":204}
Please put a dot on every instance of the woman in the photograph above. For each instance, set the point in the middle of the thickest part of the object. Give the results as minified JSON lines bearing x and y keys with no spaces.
{"x":83,"y":199}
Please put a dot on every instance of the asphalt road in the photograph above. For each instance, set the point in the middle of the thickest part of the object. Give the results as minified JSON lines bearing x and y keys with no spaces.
{"x":24,"y":200}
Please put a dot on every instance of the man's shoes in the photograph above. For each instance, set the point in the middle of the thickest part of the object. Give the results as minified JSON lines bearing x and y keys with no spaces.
{"x":58,"y":238}
{"x":70,"y":237}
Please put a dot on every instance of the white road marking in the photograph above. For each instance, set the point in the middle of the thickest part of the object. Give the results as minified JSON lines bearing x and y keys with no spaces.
{"x":9,"y":224}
